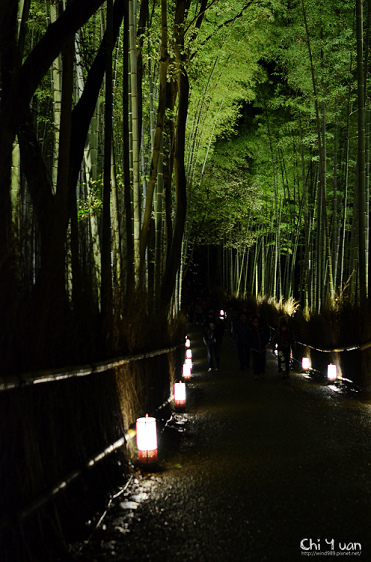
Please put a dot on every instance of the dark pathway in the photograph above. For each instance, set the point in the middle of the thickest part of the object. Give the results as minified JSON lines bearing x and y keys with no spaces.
{"x":265,"y":470}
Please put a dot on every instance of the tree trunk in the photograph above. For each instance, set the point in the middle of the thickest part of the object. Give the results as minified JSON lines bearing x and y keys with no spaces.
{"x":135,"y":138}
{"x":126,"y":160}
{"x":106,"y":287}
{"x":361,"y":160}
{"x":174,"y":254}
{"x":57,"y":94}
{"x":322,"y":226}
{"x":164,"y":62}
{"x":8,"y":62}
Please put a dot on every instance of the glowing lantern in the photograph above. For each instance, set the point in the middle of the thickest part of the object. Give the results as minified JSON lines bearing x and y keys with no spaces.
{"x":147,"y":440}
{"x":180,"y":394}
{"x":305,"y":363}
{"x":186,"y":371}
{"x":189,"y":354}
{"x":331,"y":372}
{"x":221,"y":315}
{"x":187,"y":342}
{"x":188,"y":362}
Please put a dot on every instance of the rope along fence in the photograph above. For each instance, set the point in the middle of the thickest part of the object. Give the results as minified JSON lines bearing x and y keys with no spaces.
{"x":17,"y":382}
{"x":350,"y":371}
{"x":357,"y":347}
{"x":26,"y":379}
{"x":361,"y":347}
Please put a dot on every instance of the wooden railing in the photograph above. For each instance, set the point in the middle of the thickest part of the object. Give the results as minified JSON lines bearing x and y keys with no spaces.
{"x":15,"y":382}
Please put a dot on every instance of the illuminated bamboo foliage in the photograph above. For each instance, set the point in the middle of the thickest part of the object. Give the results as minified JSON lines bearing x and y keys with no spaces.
{"x":243,"y":125}
{"x":304,"y":158}
{"x":136,"y":135}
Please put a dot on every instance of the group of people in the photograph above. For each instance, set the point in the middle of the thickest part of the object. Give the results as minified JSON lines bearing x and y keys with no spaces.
{"x":251,"y":337}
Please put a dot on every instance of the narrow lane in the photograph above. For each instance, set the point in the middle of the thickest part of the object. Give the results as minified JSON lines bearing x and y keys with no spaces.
{"x":274,"y":469}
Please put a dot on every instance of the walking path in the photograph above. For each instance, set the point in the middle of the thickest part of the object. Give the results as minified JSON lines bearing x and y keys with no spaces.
{"x":274,"y":469}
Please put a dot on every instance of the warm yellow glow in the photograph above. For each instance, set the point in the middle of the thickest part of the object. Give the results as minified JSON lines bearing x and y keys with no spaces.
{"x":331,"y":372}
{"x":189,"y":353}
{"x":180,"y":394}
{"x":188,"y":362}
{"x":305,"y":363}
{"x":187,"y":342}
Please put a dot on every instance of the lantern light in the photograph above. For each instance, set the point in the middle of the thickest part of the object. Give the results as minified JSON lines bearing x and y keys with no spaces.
{"x":188,"y":362}
{"x":147,"y":440}
{"x":305,"y":363}
{"x":186,"y":371}
{"x":222,"y":315}
{"x":187,"y":342}
{"x":189,"y":354}
{"x":180,"y":394}
{"x":331,"y":372}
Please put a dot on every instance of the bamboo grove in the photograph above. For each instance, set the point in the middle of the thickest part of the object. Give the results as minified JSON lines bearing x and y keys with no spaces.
{"x":134,"y":132}
{"x":288,"y":188}
{"x":93,"y":187}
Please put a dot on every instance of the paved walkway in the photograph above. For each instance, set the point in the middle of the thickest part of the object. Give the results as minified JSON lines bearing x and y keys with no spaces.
{"x":264,"y":470}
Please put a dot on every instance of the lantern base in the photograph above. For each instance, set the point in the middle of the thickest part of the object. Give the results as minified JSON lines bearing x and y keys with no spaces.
{"x":180,"y":405}
{"x":147,"y":457}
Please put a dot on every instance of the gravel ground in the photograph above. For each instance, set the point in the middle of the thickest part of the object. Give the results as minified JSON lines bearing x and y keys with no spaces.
{"x":274,"y":469}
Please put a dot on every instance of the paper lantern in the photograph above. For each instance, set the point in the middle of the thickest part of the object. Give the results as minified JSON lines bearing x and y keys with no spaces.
{"x":147,"y":440}
{"x":305,"y":363}
{"x":187,"y":342}
{"x":180,"y":394}
{"x":331,"y":372}
{"x":222,"y":315}
{"x":188,"y":362}
{"x":189,"y":354}
{"x":186,"y":371}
